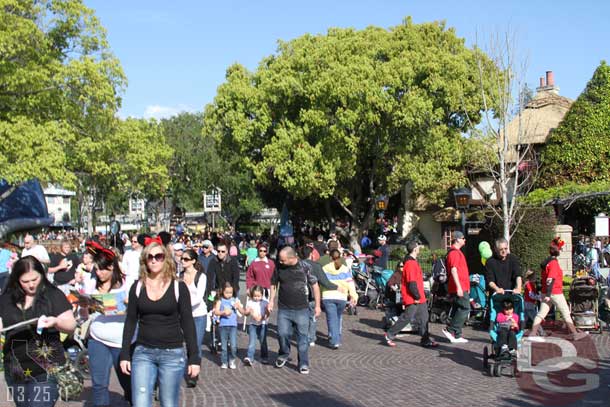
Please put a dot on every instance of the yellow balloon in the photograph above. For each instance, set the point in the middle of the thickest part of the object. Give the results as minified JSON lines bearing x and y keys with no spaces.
{"x":483,"y":260}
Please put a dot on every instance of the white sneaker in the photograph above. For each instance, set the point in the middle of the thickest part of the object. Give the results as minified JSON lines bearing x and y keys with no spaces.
{"x":312,"y":344}
{"x":449,"y":335}
{"x":223,"y":366}
{"x":461,"y":340}
{"x":232,"y":365}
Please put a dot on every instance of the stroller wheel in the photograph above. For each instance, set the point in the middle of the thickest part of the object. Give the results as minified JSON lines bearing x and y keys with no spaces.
{"x":364,"y":300}
{"x":433,"y":317}
{"x":497,"y":370}
{"x":485,"y":357}
{"x":490,"y":369}
{"x":443,"y":317}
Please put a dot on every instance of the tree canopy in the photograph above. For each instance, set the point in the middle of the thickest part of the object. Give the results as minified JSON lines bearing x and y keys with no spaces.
{"x":352,"y":114}
{"x":196,"y":166}
{"x":578,"y":151}
{"x":59,"y":84}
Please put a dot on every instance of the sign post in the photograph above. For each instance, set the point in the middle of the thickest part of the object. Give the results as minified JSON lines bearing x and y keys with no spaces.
{"x":212,"y":203}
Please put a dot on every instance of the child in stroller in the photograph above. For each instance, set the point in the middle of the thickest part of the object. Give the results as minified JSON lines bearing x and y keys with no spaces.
{"x":507,"y":314}
{"x":508,"y":326}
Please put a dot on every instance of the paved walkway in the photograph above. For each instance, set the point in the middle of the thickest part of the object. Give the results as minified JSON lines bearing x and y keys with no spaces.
{"x":366,"y":372}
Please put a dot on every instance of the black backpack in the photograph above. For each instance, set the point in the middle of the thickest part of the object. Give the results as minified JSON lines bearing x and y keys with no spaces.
{"x":439,"y":268}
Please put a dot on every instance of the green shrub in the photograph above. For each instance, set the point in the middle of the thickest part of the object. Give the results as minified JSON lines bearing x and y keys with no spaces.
{"x":531,"y":240}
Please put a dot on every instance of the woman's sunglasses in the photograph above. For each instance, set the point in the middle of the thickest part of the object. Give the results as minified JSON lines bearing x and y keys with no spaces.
{"x":159,"y":257}
{"x":186,"y":259}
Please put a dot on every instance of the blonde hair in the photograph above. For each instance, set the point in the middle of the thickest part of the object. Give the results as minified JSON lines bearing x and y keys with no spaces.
{"x":168,"y":273}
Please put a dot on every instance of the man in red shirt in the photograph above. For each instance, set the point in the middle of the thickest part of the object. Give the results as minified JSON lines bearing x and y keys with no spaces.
{"x":458,"y":287}
{"x":414,"y":299}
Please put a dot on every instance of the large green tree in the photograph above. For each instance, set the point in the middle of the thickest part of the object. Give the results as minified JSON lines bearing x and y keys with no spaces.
{"x":578,"y":151}
{"x":59,"y":89}
{"x":197,"y":166}
{"x":343,"y":117}
{"x":130,"y":161}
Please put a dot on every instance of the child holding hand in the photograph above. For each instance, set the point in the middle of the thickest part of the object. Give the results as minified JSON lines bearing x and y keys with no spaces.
{"x":226,"y":307}
{"x":256,"y":308}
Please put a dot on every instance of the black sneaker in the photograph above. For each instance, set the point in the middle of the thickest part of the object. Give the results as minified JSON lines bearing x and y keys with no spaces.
{"x":191,"y":383}
{"x":280,"y":362}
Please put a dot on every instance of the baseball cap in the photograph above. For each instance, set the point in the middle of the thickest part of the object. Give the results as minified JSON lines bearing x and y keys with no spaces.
{"x":458,"y":235}
{"x":179,"y":246}
{"x":206,"y":243}
{"x":382,"y":238}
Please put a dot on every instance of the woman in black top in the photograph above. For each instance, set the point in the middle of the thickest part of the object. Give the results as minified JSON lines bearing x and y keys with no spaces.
{"x":161,"y":307}
{"x":32,"y":351}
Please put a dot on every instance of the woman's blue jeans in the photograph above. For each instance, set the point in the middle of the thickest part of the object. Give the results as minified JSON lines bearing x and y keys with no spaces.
{"x":149,"y":365}
{"x":199,"y":331}
{"x":228,"y":334}
{"x":102,"y":359}
{"x":257,"y":332}
{"x":334,"y":316}
{"x":41,"y":391}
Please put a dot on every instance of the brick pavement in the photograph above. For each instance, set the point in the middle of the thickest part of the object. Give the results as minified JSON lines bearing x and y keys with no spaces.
{"x":365,"y":372}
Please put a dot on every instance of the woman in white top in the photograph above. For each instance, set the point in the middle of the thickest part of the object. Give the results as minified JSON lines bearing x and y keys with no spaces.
{"x":195,"y":279}
{"x":106,"y":331}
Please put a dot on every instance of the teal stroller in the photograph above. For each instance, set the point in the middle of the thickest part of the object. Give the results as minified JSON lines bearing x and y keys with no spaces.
{"x":495,"y":359}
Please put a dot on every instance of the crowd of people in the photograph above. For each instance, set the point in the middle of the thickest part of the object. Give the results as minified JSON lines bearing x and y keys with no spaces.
{"x":165,"y":296}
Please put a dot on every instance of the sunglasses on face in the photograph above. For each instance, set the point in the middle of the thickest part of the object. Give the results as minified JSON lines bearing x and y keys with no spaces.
{"x":262,"y":251}
{"x":222,"y":251}
{"x":159,"y":257}
{"x":186,"y":259}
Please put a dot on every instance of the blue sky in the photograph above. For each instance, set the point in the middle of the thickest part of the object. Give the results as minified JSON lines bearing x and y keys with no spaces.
{"x":175,"y":53}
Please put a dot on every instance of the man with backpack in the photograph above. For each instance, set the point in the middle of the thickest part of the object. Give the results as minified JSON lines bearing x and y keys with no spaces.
{"x":458,"y":287}
{"x":293,"y":284}
{"x":414,"y":299}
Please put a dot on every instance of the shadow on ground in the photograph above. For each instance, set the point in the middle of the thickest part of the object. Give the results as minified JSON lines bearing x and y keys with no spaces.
{"x":311,"y":398}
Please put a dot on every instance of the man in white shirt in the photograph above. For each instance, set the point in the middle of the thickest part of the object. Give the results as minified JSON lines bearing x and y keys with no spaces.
{"x":36,"y":250}
{"x":131,"y":261}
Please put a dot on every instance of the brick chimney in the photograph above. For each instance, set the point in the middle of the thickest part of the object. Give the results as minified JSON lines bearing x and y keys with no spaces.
{"x":550,"y":78}
{"x":548,"y":85}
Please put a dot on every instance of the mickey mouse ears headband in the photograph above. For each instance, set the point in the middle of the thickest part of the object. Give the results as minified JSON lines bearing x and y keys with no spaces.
{"x":149,"y":240}
{"x":97,"y":249}
{"x":558,"y":242}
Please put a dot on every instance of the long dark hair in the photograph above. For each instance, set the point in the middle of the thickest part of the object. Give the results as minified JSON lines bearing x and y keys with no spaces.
{"x":193,"y":255}
{"x":14,"y":289}
{"x":103,"y":262}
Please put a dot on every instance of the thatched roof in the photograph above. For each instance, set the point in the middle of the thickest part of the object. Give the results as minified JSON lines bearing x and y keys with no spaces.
{"x":541,"y":116}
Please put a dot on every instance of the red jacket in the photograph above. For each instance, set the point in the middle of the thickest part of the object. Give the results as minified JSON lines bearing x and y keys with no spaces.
{"x":259,"y":273}
{"x":411,"y":273}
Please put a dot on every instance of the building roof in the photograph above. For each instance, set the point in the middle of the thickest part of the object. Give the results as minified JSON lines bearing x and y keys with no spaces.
{"x":53,"y":190}
{"x":539,"y":118}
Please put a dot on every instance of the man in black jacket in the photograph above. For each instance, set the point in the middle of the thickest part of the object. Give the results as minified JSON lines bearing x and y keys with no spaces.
{"x":503,"y":271}
{"x":224,"y":268}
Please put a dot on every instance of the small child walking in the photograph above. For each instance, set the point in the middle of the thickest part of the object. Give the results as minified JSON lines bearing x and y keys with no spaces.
{"x":530,"y":297}
{"x":256,"y":308}
{"x":226,"y":308}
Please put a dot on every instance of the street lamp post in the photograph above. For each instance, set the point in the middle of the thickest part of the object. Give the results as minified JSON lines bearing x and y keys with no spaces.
{"x":462,"y":202}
